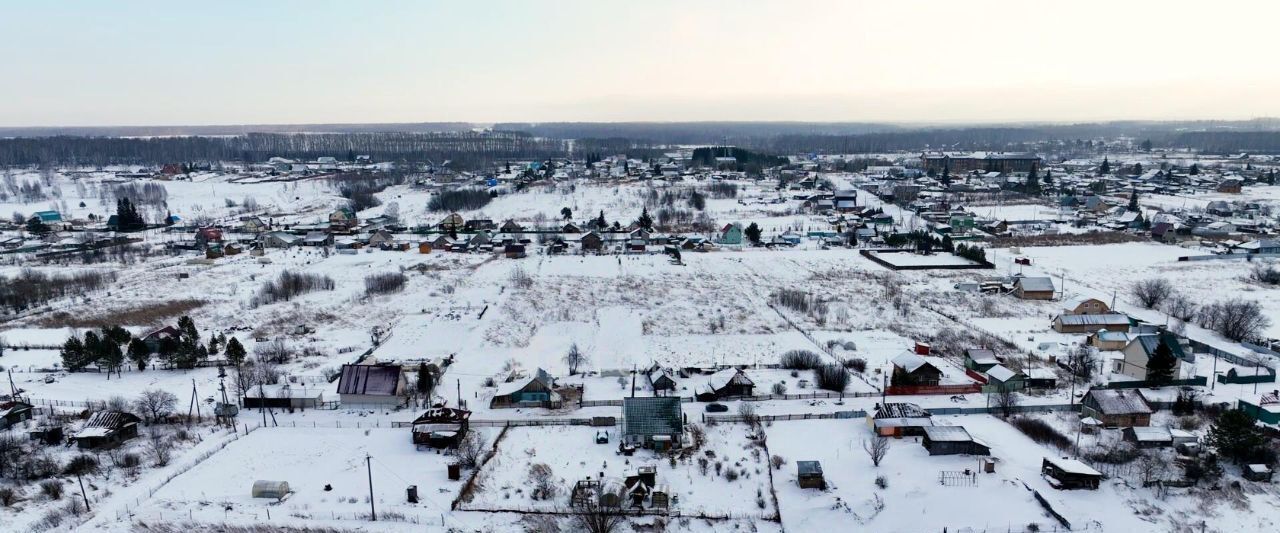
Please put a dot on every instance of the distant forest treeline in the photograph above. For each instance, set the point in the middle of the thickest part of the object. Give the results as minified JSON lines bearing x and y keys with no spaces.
{"x":470,"y":149}
{"x":463,"y":148}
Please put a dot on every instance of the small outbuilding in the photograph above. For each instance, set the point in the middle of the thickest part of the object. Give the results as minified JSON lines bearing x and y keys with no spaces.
{"x":952,"y":440}
{"x":809,"y":475}
{"x":1069,"y":474}
{"x":1260,"y":473}
{"x":107,"y":428}
{"x":270,"y":489}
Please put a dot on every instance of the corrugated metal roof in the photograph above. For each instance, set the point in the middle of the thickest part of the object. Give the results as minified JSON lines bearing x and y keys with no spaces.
{"x":651,"y":416}
{"x":371,"y":380}
{"x":947,"y":434}
{"x":1109,"y":319}
{"x":1119,"y":402}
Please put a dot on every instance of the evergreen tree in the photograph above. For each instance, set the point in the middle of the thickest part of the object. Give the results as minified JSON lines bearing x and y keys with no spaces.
{"x":1106,"y":167}
{"x":566,"y":213}
{"x":117,"y":335}
{"x":1048,"y":178}
{"x":1033,"y":182}
{"x":187,"y":330}
{"x":235,"y":352}
{"x":73,"y":355}
{"x":94,"y":347}
{"x":214,"y":345}
{"x":753,"y":233}
{"x":1161,"y":364}
{"x":601,"y":222}
{"x":1195,"y":170}
{"x":946,"y":176}
{"x":139,"y":354}
{"x":1133,"y":200}
{"x":1235,"y":436}
{"x":1146,"y":145}
{"x":168,"y":349}
{"x":645,"y":221}
{"x":1137,"y":168}
{"x":36,"y":227}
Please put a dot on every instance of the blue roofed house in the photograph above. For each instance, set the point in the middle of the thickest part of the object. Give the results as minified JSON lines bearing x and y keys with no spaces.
{"x":538,"y":391}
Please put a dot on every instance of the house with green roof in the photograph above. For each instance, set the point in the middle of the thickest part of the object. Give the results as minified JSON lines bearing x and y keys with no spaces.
{"x":655,"y":423}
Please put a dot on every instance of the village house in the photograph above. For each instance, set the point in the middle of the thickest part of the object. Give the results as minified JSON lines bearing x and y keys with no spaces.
{"x":726,"y":383}
{"x":1116,"y":407}
{"x":371,"y":385}
{"x":910,"y":368}
{"x":591,"y":242}
{"x":537,"y":391}
{"x":1089,"y":323}
{"x":1039,"y":288}
{"x":13,"y":412}
{"x":1001,"y":379}
{"x":510,"y":226}
{"x":980,"y":359}
{"x":731,"y":234}
{"x":1085,"y":306}
{"x":451,"y":223}
{"x":1137,"y":354}
{"x":1265,"y":409}
{"x":280,"y":239}
{"x":343,"y":219}
{"x":655,"y":423}
{"x":1068,"y":474}
{"x":1110,"y":340}
{"x":440,"y":427}
{"x":952,"y":440}
{"x":899,"y":420}
{"x":317,"y":238}
{"x":660,"y":381}
{"x":106,"y":429}
{"x":1157,"y":437}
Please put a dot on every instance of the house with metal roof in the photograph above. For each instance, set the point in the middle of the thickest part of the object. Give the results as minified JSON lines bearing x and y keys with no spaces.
{"x":371,"y":385}
{"x":910,"y":368}
{"x":1116,"y":407}
{"x":809,"y":475}
{"x":1066,"y":474}
{"x":1089,"y":323}
{"x":654,"y":422}
{"x":538,"y":391}
{"x":107,"y":428}
{"x":726,"y":383}
{"x":899,"y":419}
{"x":1033,"y":288}
{"x":952,"y":440}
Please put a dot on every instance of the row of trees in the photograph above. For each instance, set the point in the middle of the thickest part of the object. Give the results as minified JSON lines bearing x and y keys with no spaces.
{"x":1234,"y":318}
{"x":110,"y":347}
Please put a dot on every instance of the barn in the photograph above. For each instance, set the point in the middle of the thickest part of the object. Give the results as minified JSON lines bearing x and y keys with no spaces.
{"x":952,"y":440}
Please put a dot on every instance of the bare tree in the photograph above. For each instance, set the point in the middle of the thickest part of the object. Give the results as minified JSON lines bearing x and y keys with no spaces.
{"x":747,"y":411}
{"x":543,"y":481}
{"x":575,"y":358}
{"x":155,"y":404}
{"x":876,"y":449}
{"x":160,"y":447}
{"x":1082,"y":361}
{"x":596,"y":518}
{"x":1236,"y":319}
{"x":470,"y":450}
{"x":1005,"y":401}
{"x":1180,"y":307}
{"x":1151,"y":292}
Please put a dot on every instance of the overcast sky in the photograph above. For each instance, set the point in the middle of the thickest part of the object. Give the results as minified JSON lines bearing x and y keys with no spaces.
{"x":235,"y":62}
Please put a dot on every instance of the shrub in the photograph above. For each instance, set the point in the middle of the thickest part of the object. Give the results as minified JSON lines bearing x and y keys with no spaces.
{"x":779,"y":388}
{"x":832,"y":377}
{"x":7,"y":496}
{"x":882,"y":482}
{"x":800,"y":360}
{"x":856,"y":364}
{"x":52,"y":489}
{"x":1041,"y":432}
{"x":384,"y":283}
{"x":459,"y":200}
{"x":290,"y":285}
{"x":1265,"y":272}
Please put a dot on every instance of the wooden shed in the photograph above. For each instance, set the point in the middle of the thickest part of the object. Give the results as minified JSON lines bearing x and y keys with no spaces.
{"x":809,"y":475}
{"x":1069,"y":474}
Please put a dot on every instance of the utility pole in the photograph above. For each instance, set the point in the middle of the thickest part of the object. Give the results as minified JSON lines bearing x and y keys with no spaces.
{"x":368,"y":464}
{"x":633,"y":381}
{"x":82,"y":494}
{"x":459,"y":380}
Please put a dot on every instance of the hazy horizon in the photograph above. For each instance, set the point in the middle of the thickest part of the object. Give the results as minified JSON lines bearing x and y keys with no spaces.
{"x":233,"y":63}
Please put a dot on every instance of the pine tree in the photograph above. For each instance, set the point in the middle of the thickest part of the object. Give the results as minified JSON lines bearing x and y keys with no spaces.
{"x":235,"y":352}
{"x":601,"y":222}
{"x":214,"y":347}
{"x":73,"y":355}
{"x":187,"y":330}
{"x":1235,"y":436}
{"x":1106,"y":167}
{"x":1146,"y":145}
{"x":1137,"y":168}
{"x":1161,"y":364}
{"x":1133,"y":200}
{"x":753,"y":233}
{"x":94,"y":347}
{"x":139,"y":354}
{"x":1195,"y":170}
{"x":946,"y":175}
{"x":645,"y":221}
{"x":1033,"y":182}
{"x":1048,"y":178}
{"x":566,"y":213}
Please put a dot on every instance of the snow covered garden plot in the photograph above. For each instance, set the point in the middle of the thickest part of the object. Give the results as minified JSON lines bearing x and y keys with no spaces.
{"x":327,"y":476}
{"x":728,"y":477}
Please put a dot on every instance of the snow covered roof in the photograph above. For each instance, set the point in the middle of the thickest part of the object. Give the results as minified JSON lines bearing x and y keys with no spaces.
{"x":372,"y":380}
{"x":1119,"y":402}
{"x":947,"y":434}
{"x":1151,"y":434}
{"x":723,"y":378}
{"x":1036,"y":284}
{"x":282,"y":391}
{"x":909,"y":361}
{"x":1001,"y":373}
{"x":1072,"y":466}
